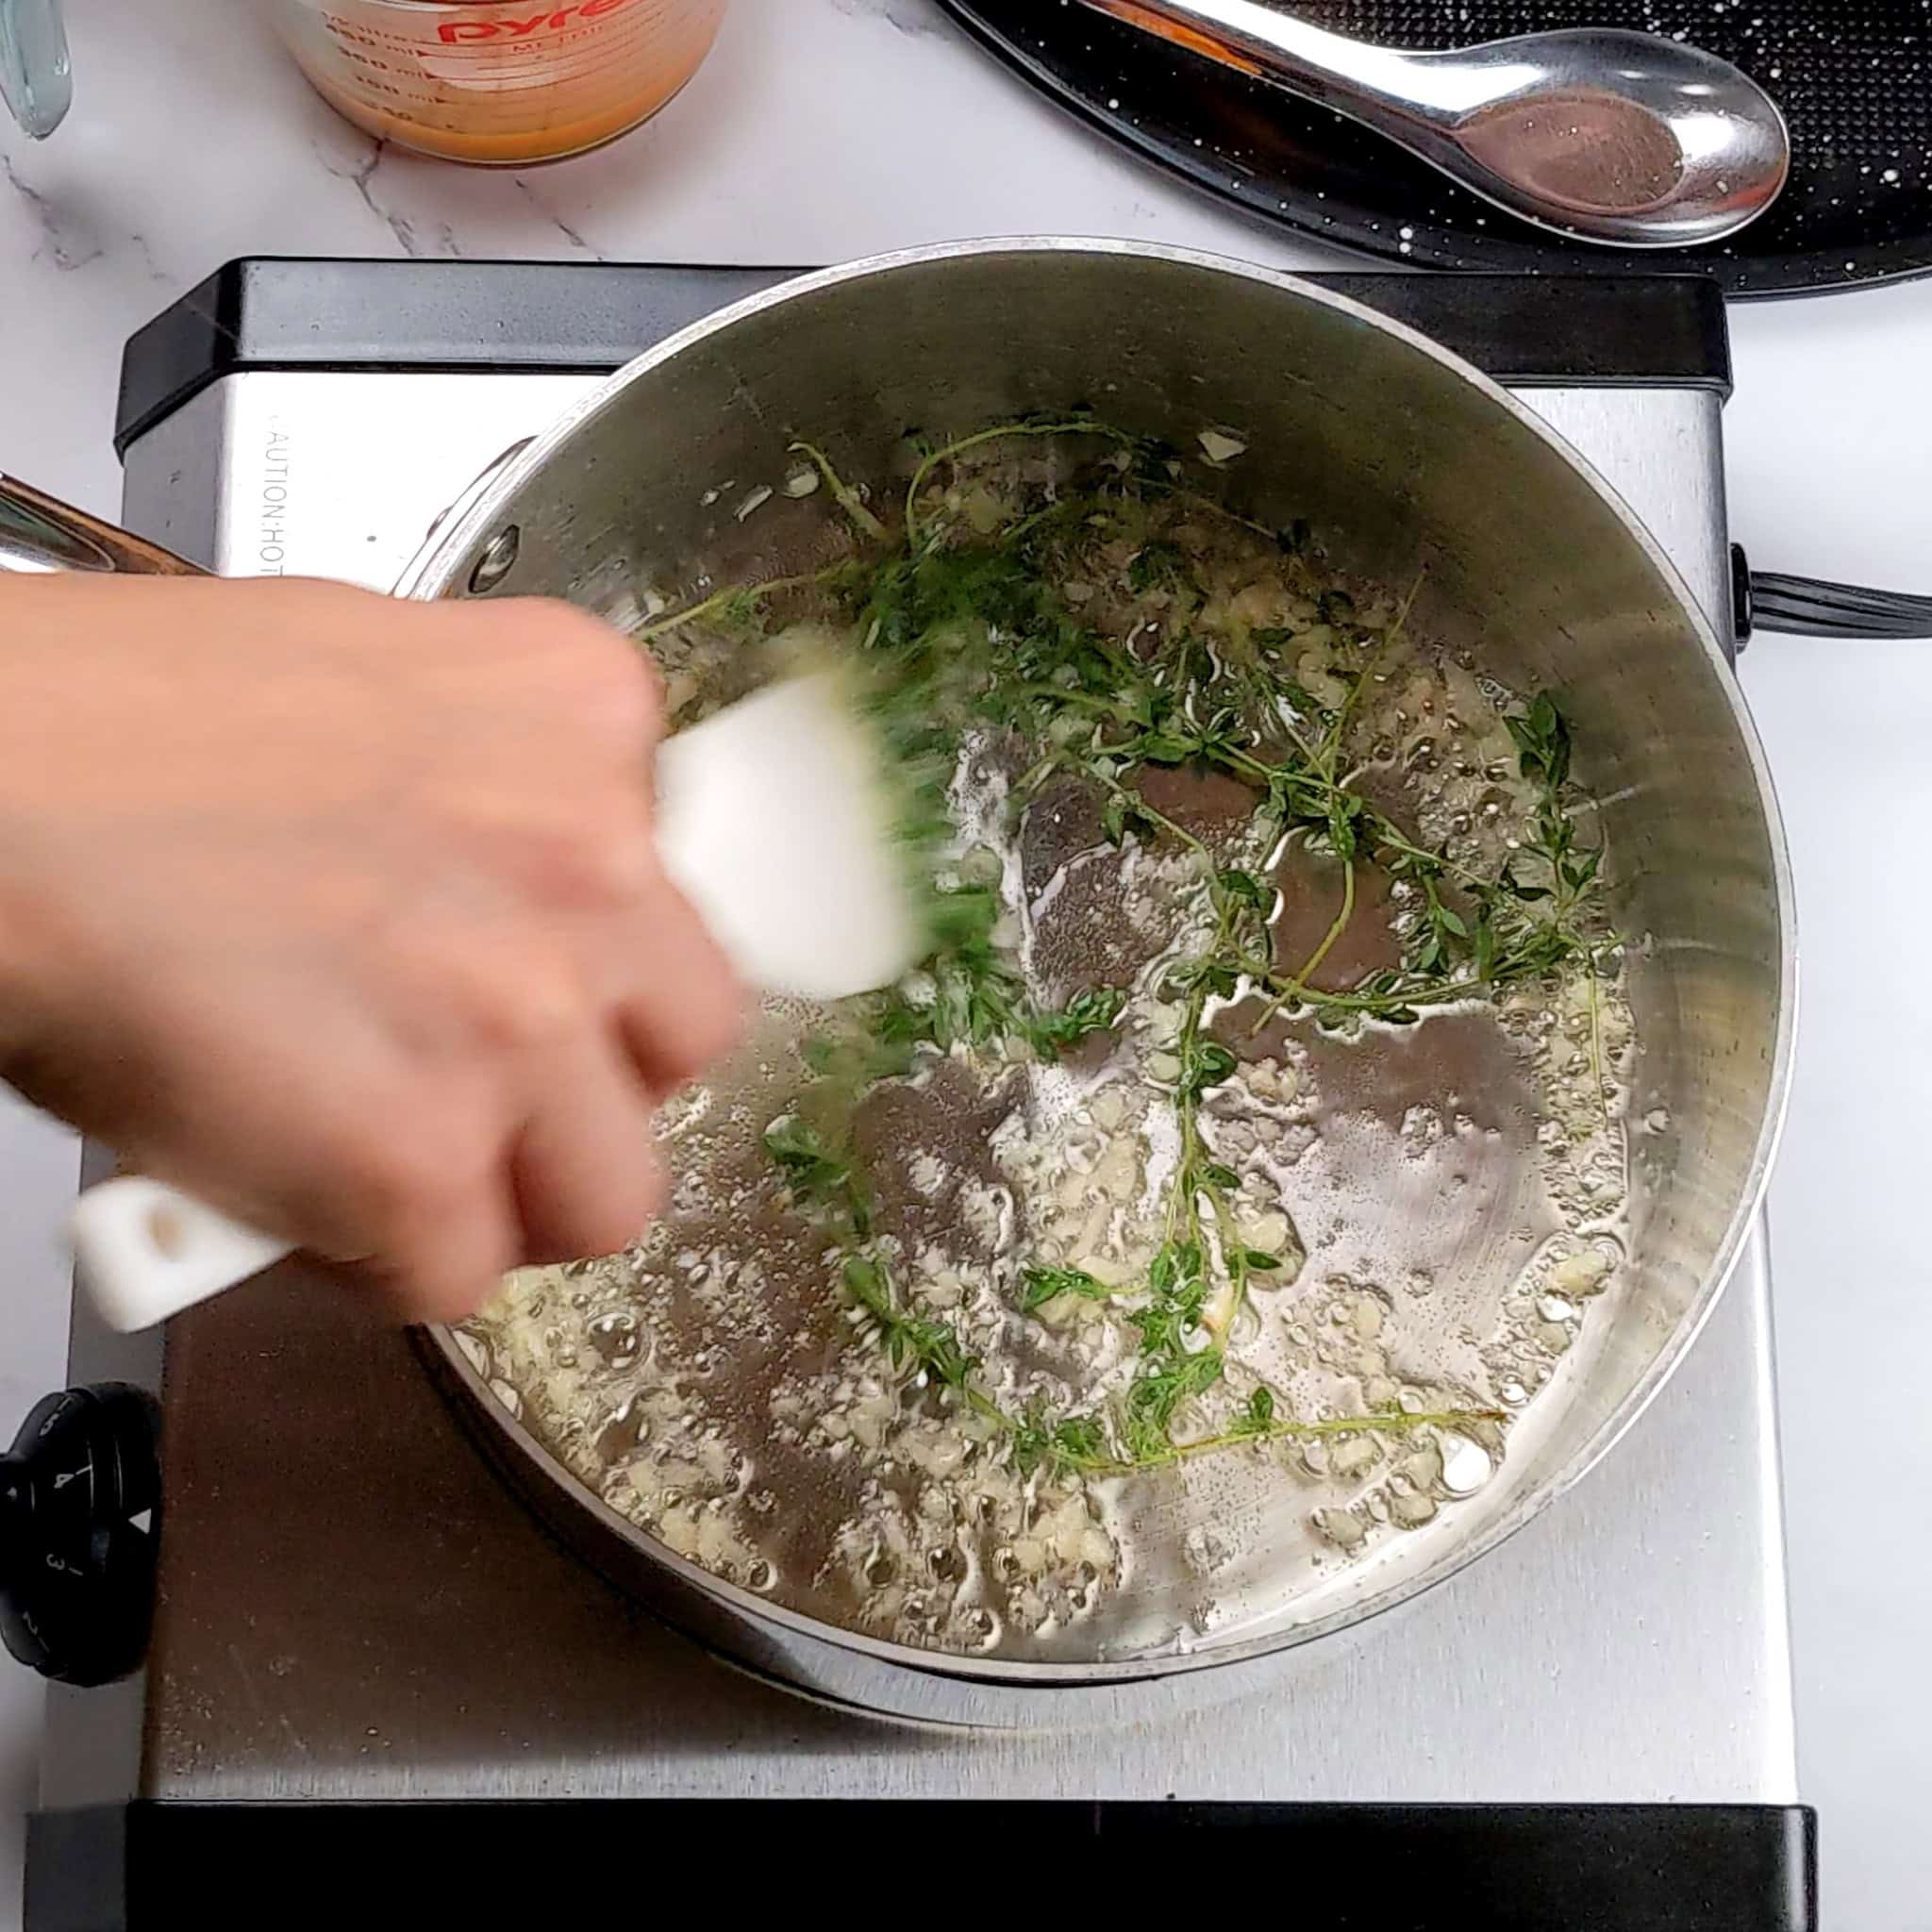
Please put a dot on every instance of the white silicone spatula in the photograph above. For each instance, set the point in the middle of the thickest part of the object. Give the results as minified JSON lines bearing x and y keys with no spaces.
{"x":772,"y":816}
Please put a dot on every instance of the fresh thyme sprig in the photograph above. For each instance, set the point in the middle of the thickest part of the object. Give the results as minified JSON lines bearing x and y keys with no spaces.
{"x":974,"y":993}
{"x":823,"y":1183}
{"x":965,"y":628}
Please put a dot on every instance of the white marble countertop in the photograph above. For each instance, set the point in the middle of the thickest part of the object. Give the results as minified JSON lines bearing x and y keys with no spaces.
{"x":826,"y":128}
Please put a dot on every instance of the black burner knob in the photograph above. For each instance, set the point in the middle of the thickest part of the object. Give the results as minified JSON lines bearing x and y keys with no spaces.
{"x":79,"y":1497}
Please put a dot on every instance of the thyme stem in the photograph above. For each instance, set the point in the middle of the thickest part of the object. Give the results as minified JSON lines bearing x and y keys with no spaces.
{"x":1085,"y":425}
{"x":848,"y":498}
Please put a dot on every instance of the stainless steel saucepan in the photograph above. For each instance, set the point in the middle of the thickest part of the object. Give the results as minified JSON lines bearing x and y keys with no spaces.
{"x":1397,"y":455}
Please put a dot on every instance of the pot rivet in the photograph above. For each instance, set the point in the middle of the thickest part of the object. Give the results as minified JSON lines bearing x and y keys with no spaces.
{"x":498,"y":555}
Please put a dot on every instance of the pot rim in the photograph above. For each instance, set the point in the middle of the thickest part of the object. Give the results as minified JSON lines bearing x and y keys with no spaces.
{"x":433,"y":573}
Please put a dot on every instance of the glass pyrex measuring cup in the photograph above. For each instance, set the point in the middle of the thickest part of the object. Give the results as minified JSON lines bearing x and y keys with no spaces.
{"x":501,"y":84}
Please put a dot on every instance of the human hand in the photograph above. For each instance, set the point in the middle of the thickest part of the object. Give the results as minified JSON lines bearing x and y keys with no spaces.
{"x":343,"y":914}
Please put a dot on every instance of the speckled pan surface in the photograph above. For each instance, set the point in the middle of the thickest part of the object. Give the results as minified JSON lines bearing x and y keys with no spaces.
{"x":1852,"y":77}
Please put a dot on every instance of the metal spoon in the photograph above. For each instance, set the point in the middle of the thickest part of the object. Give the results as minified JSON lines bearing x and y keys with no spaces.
{"x":1624,"y":139}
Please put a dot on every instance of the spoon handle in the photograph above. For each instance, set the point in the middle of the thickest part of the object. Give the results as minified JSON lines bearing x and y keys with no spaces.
{"x":1381,"y":86}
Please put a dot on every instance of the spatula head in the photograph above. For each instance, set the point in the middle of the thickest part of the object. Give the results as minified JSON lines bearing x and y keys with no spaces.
{"x":776,"y":820}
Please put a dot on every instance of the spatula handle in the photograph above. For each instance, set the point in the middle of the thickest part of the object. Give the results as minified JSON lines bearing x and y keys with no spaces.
{"x":147,"y":1251}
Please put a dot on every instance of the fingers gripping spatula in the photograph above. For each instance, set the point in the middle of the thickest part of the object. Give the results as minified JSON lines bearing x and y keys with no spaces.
{"x":772,"y":817}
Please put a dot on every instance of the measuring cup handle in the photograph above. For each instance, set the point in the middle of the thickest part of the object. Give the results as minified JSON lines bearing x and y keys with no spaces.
{"x":35,"y":79}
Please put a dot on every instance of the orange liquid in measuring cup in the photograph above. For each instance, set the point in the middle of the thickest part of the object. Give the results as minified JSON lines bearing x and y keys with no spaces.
{"x":499,"y":85}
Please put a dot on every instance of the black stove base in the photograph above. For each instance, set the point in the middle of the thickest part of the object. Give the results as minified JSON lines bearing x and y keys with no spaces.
{"x":1362,"y":1868}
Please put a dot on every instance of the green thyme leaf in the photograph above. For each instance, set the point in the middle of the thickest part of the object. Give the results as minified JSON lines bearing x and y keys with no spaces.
{"x":1257,"y":1417}
{"x":1039,"y":1286}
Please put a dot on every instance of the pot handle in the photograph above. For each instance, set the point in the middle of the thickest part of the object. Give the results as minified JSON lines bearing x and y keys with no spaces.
{"x":38,"y":532}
